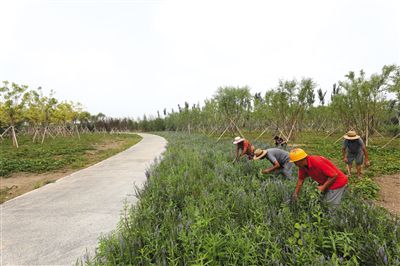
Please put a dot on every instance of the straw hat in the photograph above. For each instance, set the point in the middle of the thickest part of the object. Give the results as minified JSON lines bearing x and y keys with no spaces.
{"x":259,"y":154}
{"x":237,"y":140}
{"x":351,"y":135}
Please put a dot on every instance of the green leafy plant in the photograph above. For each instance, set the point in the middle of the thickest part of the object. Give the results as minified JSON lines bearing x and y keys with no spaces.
{"x":197,"y":208}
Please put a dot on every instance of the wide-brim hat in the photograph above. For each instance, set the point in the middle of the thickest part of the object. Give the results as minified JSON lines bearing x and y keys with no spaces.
{"x":351,"y":135}
{"x":238,"y":140}
{"x":259,"y":154}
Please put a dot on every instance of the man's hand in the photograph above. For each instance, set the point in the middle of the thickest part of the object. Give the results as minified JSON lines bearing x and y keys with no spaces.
{"x":345,"y":159}
{"x":264,"y":171}
{"x":367,"y":163}
{"x":321,"y":188}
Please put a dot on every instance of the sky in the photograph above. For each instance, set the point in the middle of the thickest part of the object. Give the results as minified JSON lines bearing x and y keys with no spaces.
{"x":127,"y":58}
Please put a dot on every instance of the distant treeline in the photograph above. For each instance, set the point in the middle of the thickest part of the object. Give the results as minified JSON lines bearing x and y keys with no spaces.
{"x":368,"y":104}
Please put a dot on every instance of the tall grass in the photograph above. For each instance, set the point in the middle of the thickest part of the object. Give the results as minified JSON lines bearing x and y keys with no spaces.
{"x":197,"y":208}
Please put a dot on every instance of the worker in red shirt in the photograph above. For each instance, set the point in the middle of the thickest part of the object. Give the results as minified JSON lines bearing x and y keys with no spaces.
{"x":332,"y":182}
{"x":245,"y":147}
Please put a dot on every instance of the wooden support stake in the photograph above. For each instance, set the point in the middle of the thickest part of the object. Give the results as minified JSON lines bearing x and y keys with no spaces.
{"x":331,"y":132}
{"x":15,"y":141}
{"x":215,"y":128}
{"x":5,"y":132}
{"x":223,"y":132}
{"x":237,"y":128}
{"x":291,"y":130}
{"x":390,"y":140}
{"x":34,"y":136}
{"x":280,"y":131}
{"x":378,"y":133}
{"x":261,"y":134}
{"x":44,"y":134}
{"x":338,"y":139}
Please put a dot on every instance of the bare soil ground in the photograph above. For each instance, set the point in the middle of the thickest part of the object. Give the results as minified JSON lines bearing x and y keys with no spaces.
{"x":390,"y":192}
{"x":20,"y":183}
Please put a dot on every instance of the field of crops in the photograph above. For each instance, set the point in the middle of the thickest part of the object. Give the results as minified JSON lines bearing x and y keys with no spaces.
{"x":198,"y":208}
{"x":61,"y":152}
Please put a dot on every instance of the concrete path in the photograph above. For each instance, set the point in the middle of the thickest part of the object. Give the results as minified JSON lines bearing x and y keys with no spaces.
{"x":55,"y":224}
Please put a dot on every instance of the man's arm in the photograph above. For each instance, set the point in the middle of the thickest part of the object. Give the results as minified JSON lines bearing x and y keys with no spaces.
{"x":328,"y":183}
{"x":275,"y":166}
{"x":299,"y":184}
{"x":245,"y":147}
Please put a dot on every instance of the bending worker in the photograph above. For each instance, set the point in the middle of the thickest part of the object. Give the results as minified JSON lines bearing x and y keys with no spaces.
{"x":280,"y":161}
{"x":354,"y":149}
{"x":245,"y":147}
{"x":280,"y":141}
{"x":332,"y":182}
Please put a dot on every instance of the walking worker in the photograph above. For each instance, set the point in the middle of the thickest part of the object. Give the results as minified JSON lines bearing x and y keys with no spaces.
{"x":245,"y":147}
{"x":280,"y":161}
{"x":332,"y":182}
{"x":354,"y":149}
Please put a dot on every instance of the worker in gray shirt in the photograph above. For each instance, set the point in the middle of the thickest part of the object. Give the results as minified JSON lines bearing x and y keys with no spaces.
{"x":279,"y":159}
{"x":354,"y":150}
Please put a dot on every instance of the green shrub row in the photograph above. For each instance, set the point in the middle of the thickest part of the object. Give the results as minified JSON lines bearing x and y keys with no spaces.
{"x":197,"y":208}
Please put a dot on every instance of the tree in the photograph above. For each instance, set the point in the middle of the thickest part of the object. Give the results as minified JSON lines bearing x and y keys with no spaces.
{"x":361,"y":102}
{"x":321,"y":96}
{"x":394,"y":87}
{"x":234,"y":103}
{"x":64,"y":114}
{"x":12,"y":106}
{"x":289,"y":103}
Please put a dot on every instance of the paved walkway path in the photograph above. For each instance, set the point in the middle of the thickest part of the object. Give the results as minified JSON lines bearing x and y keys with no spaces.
{"x":55,"y":224}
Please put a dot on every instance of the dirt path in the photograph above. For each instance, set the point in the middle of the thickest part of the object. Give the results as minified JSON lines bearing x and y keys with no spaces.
{"x":390,"y":192}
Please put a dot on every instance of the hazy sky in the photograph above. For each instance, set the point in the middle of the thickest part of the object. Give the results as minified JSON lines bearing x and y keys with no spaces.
{"x":129,"y":58}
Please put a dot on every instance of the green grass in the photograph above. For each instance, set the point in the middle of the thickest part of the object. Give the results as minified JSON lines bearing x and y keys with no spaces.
{"x":61,"y":153}
{"x":197,"y":208}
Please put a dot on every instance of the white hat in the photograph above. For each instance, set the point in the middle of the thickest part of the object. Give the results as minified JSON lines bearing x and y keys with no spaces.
{"x":237,"y":140}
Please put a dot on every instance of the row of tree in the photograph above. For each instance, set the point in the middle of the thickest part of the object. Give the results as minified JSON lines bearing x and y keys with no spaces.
{"x":369,"y":105}
{"x":25,"y":111}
